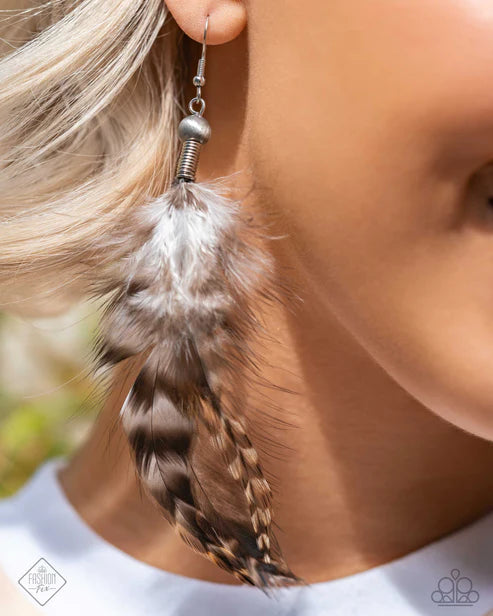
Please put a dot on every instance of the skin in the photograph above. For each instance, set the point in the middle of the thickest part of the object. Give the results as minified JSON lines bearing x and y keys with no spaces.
{"x":368,"y":128}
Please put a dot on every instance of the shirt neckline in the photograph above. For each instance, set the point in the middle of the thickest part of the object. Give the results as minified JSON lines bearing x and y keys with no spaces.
{"x":46,"y":479}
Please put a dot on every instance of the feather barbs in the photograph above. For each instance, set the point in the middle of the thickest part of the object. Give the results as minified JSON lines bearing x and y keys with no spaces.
{"x":187,"y":294}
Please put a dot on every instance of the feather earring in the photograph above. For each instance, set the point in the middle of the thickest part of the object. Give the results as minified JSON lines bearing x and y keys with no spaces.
{"x":185,"y":297}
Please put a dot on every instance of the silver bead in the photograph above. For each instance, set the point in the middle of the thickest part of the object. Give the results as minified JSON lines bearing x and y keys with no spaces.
{"x":199,"y":81}
{"x":194,"y":127}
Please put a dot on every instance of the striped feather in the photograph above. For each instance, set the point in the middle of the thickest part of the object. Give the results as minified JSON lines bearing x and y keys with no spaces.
{"x":185,"y":295}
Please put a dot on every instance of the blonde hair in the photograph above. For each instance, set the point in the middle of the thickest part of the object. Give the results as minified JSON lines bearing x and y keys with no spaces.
{"x":90,"y":94}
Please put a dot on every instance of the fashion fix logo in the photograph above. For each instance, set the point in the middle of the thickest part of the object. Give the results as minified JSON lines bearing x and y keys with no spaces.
{"x":42,"y":581}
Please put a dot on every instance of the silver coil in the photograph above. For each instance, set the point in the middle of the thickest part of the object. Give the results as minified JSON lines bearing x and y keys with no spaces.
{"x":188,"y":161}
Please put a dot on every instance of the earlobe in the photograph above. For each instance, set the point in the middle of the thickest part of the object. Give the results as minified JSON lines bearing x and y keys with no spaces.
{"x":227,"y":18}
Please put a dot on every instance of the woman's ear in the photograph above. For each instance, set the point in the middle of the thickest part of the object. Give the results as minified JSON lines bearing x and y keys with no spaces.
{"x":227,"y":18}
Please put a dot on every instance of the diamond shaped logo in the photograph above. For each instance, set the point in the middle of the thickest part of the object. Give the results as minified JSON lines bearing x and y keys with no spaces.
{"x":42,"y":581}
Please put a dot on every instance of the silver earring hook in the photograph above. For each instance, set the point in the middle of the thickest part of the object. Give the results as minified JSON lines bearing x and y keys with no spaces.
{"x":193,"y":130}
{"x":199,"y":79}
{"x":204,"y":42}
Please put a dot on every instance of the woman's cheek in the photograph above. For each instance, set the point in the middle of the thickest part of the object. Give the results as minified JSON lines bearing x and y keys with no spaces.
{"x":374,"y":176}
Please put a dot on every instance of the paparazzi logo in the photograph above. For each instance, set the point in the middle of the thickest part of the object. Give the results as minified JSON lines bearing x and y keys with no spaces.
{"x":42,"y":581}
{"x":455,"y":590}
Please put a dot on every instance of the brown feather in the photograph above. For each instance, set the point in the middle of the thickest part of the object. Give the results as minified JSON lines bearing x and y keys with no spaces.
{"x":186,"y":294}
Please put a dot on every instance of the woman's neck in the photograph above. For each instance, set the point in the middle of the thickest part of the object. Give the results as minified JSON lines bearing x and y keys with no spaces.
{"x":367,"y":475}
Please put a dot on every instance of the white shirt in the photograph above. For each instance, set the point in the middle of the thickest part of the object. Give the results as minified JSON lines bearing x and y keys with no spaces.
{"x":99,"y":579}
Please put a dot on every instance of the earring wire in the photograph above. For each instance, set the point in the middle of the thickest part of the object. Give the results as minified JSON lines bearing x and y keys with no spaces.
{"x":199,"y":79}
{"x":194,"y":130}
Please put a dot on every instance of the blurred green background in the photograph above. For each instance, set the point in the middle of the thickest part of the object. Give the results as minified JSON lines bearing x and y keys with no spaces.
{"x":47,"y":398}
